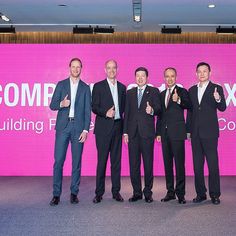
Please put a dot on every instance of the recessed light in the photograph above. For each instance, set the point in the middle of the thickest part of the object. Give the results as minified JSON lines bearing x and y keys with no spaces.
{"x":4,"y":17}
{"x":211,"y":6}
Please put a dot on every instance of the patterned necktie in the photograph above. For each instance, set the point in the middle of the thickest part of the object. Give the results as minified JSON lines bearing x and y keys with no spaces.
{"x":168,"y":97}
{"x":139,"y":96}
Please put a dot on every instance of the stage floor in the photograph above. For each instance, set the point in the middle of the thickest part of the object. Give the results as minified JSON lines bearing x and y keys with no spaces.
{"x":25,"y":210}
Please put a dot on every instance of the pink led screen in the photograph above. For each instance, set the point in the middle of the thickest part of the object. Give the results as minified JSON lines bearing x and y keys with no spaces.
{"x":29,"y":73}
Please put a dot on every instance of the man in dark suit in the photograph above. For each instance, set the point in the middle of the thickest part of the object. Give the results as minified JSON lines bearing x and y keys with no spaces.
{"x":171,"y":131}
{"x":202,"y":122}
{"x":72,"y":100}
{"x":142,"y":104}
{"x":108,"y":102}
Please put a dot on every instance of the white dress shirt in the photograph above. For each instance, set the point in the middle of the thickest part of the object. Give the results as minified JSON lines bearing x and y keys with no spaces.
{"x":73,"y":91}
{"x":114,"y":93}
{"x":201,"y":90}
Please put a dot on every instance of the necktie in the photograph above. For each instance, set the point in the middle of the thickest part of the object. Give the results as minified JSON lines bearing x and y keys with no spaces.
{"x":139,"y":96}
{"x":168,"y":97}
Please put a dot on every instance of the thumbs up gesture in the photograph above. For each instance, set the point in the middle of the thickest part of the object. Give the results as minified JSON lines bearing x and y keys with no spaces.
{"x":175,"y":96}
{"x":149,"y":109}
{"x":65,"y":102}
{"x":216,"y":95}
{"x":111,"y":112}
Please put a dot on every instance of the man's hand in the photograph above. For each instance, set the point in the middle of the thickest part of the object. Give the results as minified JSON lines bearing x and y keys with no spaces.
{"x":126,"y":138}
{"x":216,"y":95}
{"x":111,"y":112}
{"x":175,"y":96}
{"x":149,"y":109}
{"x":189,"y":136}
{"x":65,"y":102}
{"x":158,"y":138}
{"x":83,"y":137}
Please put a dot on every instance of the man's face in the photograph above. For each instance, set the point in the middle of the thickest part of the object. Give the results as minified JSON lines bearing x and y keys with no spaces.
{"x":170,"y":78}
{"x":75,"y":69}
{"x":111,"y":70}
{"x":203,"y":73}
{"x":141,"y":78}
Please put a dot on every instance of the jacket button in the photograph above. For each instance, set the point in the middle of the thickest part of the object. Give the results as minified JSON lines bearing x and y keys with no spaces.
{"x":199,"y":108}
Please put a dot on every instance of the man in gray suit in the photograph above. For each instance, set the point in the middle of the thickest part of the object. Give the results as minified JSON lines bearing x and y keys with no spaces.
{"x":72,"y":100}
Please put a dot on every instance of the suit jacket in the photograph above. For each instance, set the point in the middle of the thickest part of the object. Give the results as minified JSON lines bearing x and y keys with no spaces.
{"x":102,"y":101}
{"x":172,"y":117}
{"x":82,"y":105}
{"x":202,"y":119}
{"x":137,"y":118}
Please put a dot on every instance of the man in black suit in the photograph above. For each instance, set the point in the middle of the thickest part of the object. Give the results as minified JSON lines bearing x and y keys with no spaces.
{"x":142,"y":104}
{"x":108,"y":102}
{"x":206,"y":98}
{"x":171,"y":131}
{"x":72,"y":100}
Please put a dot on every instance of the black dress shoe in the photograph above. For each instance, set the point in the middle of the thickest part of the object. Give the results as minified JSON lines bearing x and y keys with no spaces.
{"x":118,"y":197}
{"x":181,"y":200}
{"x":149,"y":199}
{"x":74,"y":199}
{"x":199,"y":199}
{"x":168,"y":198}
{"x":54,"y":201}
{"x":215,"y":200}
{"x":97,"y":199}
{"x":135,"y":198}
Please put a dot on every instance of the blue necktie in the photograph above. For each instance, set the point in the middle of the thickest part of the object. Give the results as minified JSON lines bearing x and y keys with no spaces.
{"x":139,"y":96}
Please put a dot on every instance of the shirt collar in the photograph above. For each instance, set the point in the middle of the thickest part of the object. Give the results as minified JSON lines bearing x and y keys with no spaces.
{"x":143,"y":88}
{"x":71,"y":81}
{"x":204,"y":85}
{"x":171,"y":89}
{"x":110,"y":83}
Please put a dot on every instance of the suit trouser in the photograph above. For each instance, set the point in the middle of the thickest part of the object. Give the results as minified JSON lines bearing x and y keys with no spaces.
{"x":106,"y":144}
{"x":202,"y":148}
{"x":174,"y":149}
{"x":141,"y":146}
{"x":61,"y":144}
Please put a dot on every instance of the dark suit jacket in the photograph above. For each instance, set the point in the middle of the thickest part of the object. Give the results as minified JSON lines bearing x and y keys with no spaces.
{"x":102,"y":101}
{"x":137,"y":118}
{"x":82,"y":105}
{"x":172,"y":117}
{"x":202,"y":120}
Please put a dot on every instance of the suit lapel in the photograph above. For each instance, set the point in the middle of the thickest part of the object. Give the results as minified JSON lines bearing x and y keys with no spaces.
{"x":119,"y":94}
{"x":145,"y":96}
{"x":195,"y":94}
{"x":79,"y":90}
{"x":108,"y":91}
{"x":170,"y":101}
{"x":207,"y":91}
{"x":67,"y":88}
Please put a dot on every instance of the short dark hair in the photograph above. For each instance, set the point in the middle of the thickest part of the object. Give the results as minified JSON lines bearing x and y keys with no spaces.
{"x":75,"y":59}
{"x":170,"y":68}
{"x":141,"y":69}
{"x":203,"y":64}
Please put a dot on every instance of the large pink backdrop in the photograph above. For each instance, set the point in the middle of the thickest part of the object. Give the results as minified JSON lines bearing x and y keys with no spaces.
{"x":29,"y":73}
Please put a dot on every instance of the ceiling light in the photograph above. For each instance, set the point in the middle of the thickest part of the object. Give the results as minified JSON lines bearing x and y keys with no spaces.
{"x":211,"y":6}
{"x":7,"y":30}
{"x":176,"y":30}
{"x":226,"y":30}
{"x":4,"y":17}
{"x":137,"y":10}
